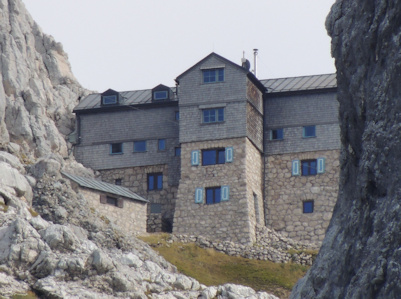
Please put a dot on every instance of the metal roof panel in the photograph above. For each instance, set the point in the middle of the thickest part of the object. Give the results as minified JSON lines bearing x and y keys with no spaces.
{"x":104,"y":187}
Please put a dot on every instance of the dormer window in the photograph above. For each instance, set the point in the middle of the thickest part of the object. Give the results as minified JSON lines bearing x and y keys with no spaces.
{"x":160,"y":95}
{"x":109,"y":100}
{"x":110,"y":97}
{"x":213,"y":75}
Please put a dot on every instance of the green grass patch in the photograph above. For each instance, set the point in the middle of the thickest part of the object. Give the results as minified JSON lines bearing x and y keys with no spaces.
{"x":29,"y":295}
{"x":33,"y":212}
{"x":3,"y":207}
{"x":211,"y":267}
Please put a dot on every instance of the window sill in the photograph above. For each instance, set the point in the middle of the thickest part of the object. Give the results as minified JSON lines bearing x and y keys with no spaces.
{"x":214,"y":123}
{"x":307,"y":137}
{"x":114,"y":154}
{"x":140,"y":152}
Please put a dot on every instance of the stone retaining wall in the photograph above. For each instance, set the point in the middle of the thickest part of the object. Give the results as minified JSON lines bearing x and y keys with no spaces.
{"x":270,"y":245}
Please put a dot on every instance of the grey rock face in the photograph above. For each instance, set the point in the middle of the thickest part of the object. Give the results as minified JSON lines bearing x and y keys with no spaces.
{"x":37,"y":90}
{"x":360,"y":256}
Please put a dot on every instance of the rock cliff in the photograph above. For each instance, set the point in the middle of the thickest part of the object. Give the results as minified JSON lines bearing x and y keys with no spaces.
{"x":360,"y":256}
{"x":38,"y":90}
{"x":51,"y":243}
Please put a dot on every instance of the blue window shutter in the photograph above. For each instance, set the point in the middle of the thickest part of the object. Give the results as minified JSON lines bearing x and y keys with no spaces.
{"x":321,"y":165}
{"x":199,"y":195}
{"x":295,"y":167}
{"x":229,"y":154}
{"x":225,"y":193}
{"x":195,"y":158}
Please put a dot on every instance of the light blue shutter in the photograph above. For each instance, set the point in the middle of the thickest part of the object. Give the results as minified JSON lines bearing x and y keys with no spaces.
{"x":229,"y":154}
{"x":321,"y":165}
{"x":225,"y":193}
{"x":195,"y":158}
{"x":199,"y":195}
{"x":295,"y":167}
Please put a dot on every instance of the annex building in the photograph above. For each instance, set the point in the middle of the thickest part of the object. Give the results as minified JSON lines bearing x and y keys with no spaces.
{"x":220,"y":152}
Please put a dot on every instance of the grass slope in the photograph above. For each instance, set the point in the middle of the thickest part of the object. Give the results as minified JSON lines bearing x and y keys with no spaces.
{"x":211,"y":267}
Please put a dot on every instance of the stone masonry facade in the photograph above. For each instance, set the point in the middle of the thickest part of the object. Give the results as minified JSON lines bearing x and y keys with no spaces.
{"x":131,"y":216}
{"x":135,"y":179}
{"x":220,"y":106}
{"x":286,"y":193}
{"x":233,"y":219}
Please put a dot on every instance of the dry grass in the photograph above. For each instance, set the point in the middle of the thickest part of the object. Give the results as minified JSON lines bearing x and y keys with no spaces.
{"x":211,"y":267}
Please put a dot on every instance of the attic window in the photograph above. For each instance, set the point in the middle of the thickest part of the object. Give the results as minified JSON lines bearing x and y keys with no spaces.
{"x":160,"y":95}
{"x":109,"y":100}
{"x":213,"y":75}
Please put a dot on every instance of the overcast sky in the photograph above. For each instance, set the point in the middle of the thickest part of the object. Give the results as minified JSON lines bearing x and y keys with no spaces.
{"x":138,"y":44}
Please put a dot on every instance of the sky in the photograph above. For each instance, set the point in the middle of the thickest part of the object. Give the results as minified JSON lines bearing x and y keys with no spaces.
{"x":139,"y":44}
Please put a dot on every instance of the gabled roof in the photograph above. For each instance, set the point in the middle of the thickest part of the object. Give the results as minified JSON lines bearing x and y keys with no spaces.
{"x":104,"y":187}
{"x":225,"y":60}
{"x":249,"y":74}
{"x":128,"y":98}
{"x":301,"y":83}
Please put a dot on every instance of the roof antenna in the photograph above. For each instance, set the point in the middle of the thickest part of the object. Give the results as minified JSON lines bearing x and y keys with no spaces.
{"x":245,"y":62}
{"x":255,"y":53}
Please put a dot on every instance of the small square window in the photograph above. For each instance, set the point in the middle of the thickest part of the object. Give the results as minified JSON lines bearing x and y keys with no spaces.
{"x":140,"y":146}
{"x":213,"y":115}
{"x":213,"y":195}
{"x":213,"y":75}
{"x":177,"y":115}
{"x":160,"y":95}
{"x":309,"y":131}
{"x":177,"y":151}
{"x":277,"y":134}
{"x":161,"y":144}
{"x":309,"y":167}
{"x":118,"y":182}
{"x":155,"y":181}
{"x":112,"y":201}
{"x":213,"y":156}
{"x":155,"y":208}
{"x":308,"y":206}
{"x":116,"y":148}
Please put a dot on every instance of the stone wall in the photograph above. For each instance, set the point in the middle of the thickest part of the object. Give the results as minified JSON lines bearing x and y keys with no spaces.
{"x":254,"y":181}
{"x":228,"y":220}
{"x":131,"y":217}
{"x":136,"y":179}
{"x":269,"y":245}
{"x":285,"y":195}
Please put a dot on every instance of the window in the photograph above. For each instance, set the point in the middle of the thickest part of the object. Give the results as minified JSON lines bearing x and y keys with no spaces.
{"x":277,"y":134}
{"x":155,"y":181}
{"x":213,"y":75}
{"x":140,"y":146}
{"x":309,"y":167}
{"x":160,"y":95}
{"x":308,"y":206}
{"x":213,"y":156}
{"x":116,"y":148}
{"x":118,"y":182}
{"x":155,"y":208}
{"x":177,"y":152}
{"x":161,"y":144}
{"x":112,"y":201}
{"x":177,"y":115}
{"x":309,"y":131}
{"x":213,"y":195}
{"x":213,"y":115}
{"x":109,"y":100}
